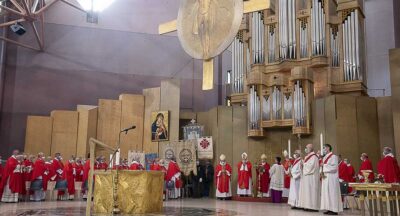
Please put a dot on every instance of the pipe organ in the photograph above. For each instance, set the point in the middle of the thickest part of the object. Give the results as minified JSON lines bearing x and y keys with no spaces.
{"x":296,"y":51}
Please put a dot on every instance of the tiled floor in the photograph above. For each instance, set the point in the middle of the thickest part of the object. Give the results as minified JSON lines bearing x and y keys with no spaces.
{"x":191,"y":207}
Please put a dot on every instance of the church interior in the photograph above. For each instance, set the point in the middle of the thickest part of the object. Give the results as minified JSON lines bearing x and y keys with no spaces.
{"x":199,"y":107}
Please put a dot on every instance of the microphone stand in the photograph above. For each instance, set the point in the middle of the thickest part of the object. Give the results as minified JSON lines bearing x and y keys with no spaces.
{"x":116,"y":209}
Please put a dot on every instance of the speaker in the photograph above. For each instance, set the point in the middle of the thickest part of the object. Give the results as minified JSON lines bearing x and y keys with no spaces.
{"x":18,"y":29}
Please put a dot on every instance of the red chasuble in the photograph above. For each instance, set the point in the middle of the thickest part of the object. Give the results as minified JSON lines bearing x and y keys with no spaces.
{"x":69,"y":176}
{"x":38,"y":170}
{"x":49,"y":174}
{"x":172,"y":170}
{"x":243,"y":175}
{"x":86,"y":169}
{"x":263,"y":178}
{"x":78,"y":171}
{"x":367,"y":165}
{"x":58,"y":166}
{"x":28,"y":170}
{"x":222,"y":182}
{"x":389,"y":168}
{"x":136,"y":166}
{"x":286,"y":165}
{"x":343,"y":171}
{"x":8,"y":172}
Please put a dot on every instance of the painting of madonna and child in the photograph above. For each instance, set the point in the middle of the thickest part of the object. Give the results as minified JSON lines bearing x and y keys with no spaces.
{"x":159,"y":126}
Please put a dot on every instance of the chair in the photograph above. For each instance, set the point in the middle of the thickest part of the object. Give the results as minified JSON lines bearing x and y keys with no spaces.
{"x":344,"y":190}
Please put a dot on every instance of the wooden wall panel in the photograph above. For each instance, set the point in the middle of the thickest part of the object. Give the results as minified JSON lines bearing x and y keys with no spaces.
{"x":152,"y":103}
{"x":346,"y":128}
{"x":65,"y":133}
{"x":240,"y":139}
{"x":132,"y":114}
{"x":87,"y":128}
{"x":368,"y":131}
{"x":385,"y":122}
{"x":319,"y":123}
{"x":225,"y":132}
{"x":170,"y":100}
{"x":394,"y":58}
{"x":330,"y":123}
{"x":108,"y":123}
{"x":38,"y":135}
{"x":202,"y":118}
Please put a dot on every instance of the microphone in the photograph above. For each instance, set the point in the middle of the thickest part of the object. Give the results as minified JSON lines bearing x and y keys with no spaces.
{"x":128,"y":129}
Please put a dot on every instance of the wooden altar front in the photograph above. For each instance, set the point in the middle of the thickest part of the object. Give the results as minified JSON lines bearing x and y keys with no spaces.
{"x":384,"y":194}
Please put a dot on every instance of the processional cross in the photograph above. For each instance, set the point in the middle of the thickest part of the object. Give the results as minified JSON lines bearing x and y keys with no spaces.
{"x":207,"y":27}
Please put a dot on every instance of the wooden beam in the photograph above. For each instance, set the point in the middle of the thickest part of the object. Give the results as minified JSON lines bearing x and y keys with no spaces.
{"x":255,"y":5}
{"x":74,"y":6}
{"x":248,"y":7}
{"x":37,"y":35}
{"x":18,"y":43}
{"x":11,"y":22}
{"x":41,"y":10}
{"x":11,"y":10}
{"x":19,"y":7}
{"x":167,"y":27}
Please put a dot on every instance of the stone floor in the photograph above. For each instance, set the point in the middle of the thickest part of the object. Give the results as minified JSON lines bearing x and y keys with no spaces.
{"x":191,"y":207}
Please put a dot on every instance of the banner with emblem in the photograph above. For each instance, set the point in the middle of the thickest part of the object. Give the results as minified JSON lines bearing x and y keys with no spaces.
{"x":184,"y":152}
{"x":205,"y":148}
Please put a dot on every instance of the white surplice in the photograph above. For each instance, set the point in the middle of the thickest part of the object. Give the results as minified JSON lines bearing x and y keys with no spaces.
{"x":295,"y":178}
{"x":309,"y":184}
{"x":331,"y":199}
{"x":276,"y":173}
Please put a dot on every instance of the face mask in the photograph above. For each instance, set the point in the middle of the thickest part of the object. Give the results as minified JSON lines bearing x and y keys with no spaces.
{"x":361,"y":158}
{"x":324,"y":151}
{"x":295,"y":156}
{"x":306,"y":151}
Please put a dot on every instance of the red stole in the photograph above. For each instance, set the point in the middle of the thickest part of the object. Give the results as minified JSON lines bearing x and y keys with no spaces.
{"x":308,"y":157}
{"x":243,"y":175}
{"x":328,"y":156}
{"x":223,"y":180}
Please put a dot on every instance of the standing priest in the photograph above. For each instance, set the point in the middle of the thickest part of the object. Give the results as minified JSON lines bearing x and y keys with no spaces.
{"x":295,"y":175}
{"x":263,"y":178}
{"x":309,"y":183}
{"x":244,"y":186}
{"x":223,"y":173}
{"x":173,"y":178}
{"x":388,"y":167}
{"x":12,"y":180}
{"x":331,"y":199}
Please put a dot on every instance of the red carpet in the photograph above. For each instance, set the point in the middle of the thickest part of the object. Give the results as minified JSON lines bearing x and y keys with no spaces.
{"x":255,"y":199}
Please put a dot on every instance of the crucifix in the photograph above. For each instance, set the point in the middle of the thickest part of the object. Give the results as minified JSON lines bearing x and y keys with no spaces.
{"x":207,"y":27}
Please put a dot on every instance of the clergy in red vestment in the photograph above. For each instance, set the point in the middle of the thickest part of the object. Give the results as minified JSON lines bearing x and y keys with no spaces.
{"x":223,"y":172}
{"x":49,"y":173}
{"x":155,"y":166}
{"x":263,"y":178}
{"x":136,"y":165}
{"x":78,"y":170}
{"x":101,"y":163}
{"x":12,"y":183}
{"x":244,"y":187}
{"x":69,"y":175}
{"x":28,"y":168}
{"x":173,"y":178}
{"x":366,"y":165}
{"x":37,"y":184}
{"x":388,"y":167}
{"x":342,"y":170}
{"x":61,"y":183}
{"x":85,"y":177}
{"x":287,"y":163}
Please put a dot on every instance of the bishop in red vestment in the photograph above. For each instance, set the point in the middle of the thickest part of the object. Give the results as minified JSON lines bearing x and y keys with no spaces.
{"x":37,"y":178}
{"x":223,"y":172}
{"x":244,"y":187}
{"x":78,"y":170}
{"x":101,"y":163}
{"x":263,"y":178}
{"x":388,"y":167}
{"x":27,"y":171}
{"x":366,"y":165}
{"x":12,"y":183}
{"x":69,"y":175}
{"x":49,"y":173}
{"x":173,"y":176}
{"x":342,"y":170}
{"x":136,"y":166}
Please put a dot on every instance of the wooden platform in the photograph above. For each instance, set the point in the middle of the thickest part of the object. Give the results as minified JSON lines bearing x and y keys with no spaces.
{"x":256,"y":199}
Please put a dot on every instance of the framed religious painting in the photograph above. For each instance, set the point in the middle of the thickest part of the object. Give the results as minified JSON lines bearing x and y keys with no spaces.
{"x":160,"y":126}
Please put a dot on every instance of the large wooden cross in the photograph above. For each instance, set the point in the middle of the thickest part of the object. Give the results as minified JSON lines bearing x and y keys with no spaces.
{"x":248,"y":7}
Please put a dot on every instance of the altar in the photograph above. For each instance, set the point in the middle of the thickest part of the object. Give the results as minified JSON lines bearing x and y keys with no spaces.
{"x":137,"y":192}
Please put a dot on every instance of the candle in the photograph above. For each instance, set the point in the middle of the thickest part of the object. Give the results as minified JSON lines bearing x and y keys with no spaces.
{"x":117,"y":158}
{"x":111,"y":160}
{"x":321,"y":141}
{"x":290,"y":155}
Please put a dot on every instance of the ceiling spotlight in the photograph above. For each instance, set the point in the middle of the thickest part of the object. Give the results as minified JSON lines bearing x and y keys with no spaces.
{"x":18,"y":29}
